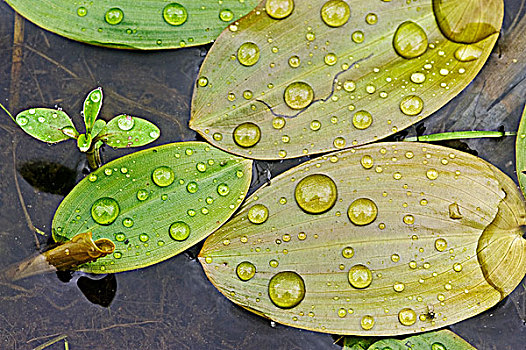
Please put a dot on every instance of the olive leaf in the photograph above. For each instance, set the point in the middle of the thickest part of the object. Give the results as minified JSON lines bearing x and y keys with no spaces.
{"x":127,"y":131}
{"x":92,"y":106}
{"x":46,"y":124}
{"x":136,"y":24}
{"x":155,"y":203}
{"x":380,"y":240}
{"x":439,"y":340}
{"x":520,"y":152}
{"x":306,"y":77}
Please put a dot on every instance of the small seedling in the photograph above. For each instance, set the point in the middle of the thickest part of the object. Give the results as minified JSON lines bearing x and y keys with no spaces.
{"x":54,"y":125}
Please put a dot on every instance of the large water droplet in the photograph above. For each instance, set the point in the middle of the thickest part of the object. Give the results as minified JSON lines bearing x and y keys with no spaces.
{"x":163,"y":176}
{"x":245,"y":271}
{"x":467,"y":21}
{"x":335,"y":13}
{"x":367,"y":161}
{"x":362,"y":211}
{"x":247,"y":135}
{"x":298,"y":95}
{"x":440,"y":244}
{"x":192,"y":187}
{"x":362,"y":120}
{"x":286,"y":289}
{"x":367,"y":322}
{"x":248,"y":54}
{"x":438,"y":346}
{"x":114,"y":16}
{"x":279,"y":9}
{"x":175,"y":14}
{"x":316,"y":193}
{"x":258,"y":214}
{"x":410,"y":40}
{"x":360,"y":276}
{"x":125,"y":122}
{"x":411,"y":105}
{"x":105,"y":210}
{"x":179,"y":230}
{"x":467,"y":53}
{"x":407,"y":317}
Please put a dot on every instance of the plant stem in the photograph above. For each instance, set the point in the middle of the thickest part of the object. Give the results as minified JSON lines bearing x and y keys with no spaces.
{"x":457,"y":135}
{"x":5,"y":110}
{"x":93,"y":155}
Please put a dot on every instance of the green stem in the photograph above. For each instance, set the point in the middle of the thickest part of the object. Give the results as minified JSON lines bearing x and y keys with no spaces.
{"x":93,"y":155}
{"x":457,"y":135}
{"x":5,"y":110}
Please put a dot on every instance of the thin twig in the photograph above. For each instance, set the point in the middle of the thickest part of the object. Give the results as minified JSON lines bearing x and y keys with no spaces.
{"x":16,"y":61}
{"x":51,"y":342}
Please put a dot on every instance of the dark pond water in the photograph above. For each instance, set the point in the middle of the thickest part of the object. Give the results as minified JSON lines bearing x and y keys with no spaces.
{"x":172,"y":305}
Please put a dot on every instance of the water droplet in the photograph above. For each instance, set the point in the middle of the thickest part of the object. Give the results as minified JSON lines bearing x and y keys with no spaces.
{"x":438,"y":346}
{"x":457,"y":267}
{"x":248,"y":54}
{"x":114,"y":16}
{"x":409,"y":219}
{"x":367,"y":322}
{"x":127,"y":222}
{"x":362,"y":120}
{"x":92,"y":177}
{"x":330,"y":59}
{"x":245,"y":271}
{"x":348,"y":252}
{"x":278,"y":123}
{"x":105,"y":210}
{"x":226,"y":15}
{"x":367,"y":161}
{"x":316,"y":193}
{"x":279,"y":9}
{"x":399,"y":287}
{"x":454,"y":211}
{"x":217,"y":136}
{"x":371,"y":18}
{"x":362,"y":211}
{"x":315,"y":125}
{"x":339,"y":142}
{"x":294,"y":61}
{"x":202,"y":81}
{"x":432,"y":174}
{"x":247,"y":135}
{"x":21,"y":120}
{"x":358,"y":37}
{"x":175,"y":14}
{"x":258,"y":214}
{"x":360,"y":276}
{"x":411,"y":105}
{"x":418,"y":77}
{"x":125,"y":122}
{"x":407,"y":317}
{"x":273,"y":263}
{"x":410,"y":40}
{"x":163,"y":176}
{"x":142,"y":194}
{"x":82,"y":11}
{"x":342,"y":312}
{"x":179,"y":230}
{"x":335,"y":13}
{"x":467,"y":53}
{"x":143,"y":237}
{"x":286,"y":289}
{"x":120,"y":237}
{"x":298,"y":95}
{"x":440,"y":244}
{"x":349,"y":86}
{"x":310,"y":36}
{"x":117,"y":255}
{"x":223,"y":190}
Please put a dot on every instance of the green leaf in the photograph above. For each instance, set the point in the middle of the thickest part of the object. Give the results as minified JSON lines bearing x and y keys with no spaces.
{"x":98,"y":127}
{"x":320,"y":79}
{"x":45,"y":124}
{"x":520,"y":152}
{"x":136,"y":24}
{"x":380,"y":240}
{"x":439,"y":340}
{"x":126,"y":131}
{"x":147,"y":202}
{"x":92,"y":106}
{"x":84,"y":142}
{"x":357,"y":343}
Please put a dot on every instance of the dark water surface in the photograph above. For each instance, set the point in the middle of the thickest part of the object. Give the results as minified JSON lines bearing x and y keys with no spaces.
{"x":172,"y":305}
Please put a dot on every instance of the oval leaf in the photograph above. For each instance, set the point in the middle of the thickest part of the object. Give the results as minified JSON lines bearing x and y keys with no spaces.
{"x":91,"y":109}
{"x":520,"y":152}
{"x":385,"y":239}
{"x":336,"y":74}
{"x":45,"y":124}
{"x":127,"y":131}
{"x":155,"y":203}
{"x":136,"y":24}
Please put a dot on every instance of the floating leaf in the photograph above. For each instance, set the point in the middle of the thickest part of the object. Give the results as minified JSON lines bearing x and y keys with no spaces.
{"x":45,"y":124}
{"x":92,"y":106}
{"x":136,"y":24}
{"x":155,"y":203}
{"x":127,"y":131}
{"x":327,"y":75}
{"x":384,"y":239}
{"x":520,"y":152}
{"x":439,"y":340}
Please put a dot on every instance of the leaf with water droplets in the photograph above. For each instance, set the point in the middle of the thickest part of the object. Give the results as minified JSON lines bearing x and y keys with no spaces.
{"x":48,"y":125}
{"x":126,"y":131}
{"x":91,"y":109}
{"x":136,"y":24}
{"x":306,"y":77}
{"x":155,"y":203}
{"x":520,"y":152}
{"x":379,"y":240}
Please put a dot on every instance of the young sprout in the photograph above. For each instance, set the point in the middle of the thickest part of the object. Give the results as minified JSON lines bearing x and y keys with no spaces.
{"x":54,"y":125}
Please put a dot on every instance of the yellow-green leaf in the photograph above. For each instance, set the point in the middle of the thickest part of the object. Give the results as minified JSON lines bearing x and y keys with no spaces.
{"x":380,"y":240}
{"x":328,"y":75}
{"x":155,"y":203}
{"x":45,"y":124}
{"x":520,"y":152}
{"x":135,"y":24}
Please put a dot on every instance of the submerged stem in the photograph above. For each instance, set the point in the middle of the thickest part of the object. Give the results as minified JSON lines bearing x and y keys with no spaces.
{"x":457,"y":135}
{"x":8,"y":113}
{"x":93,"y":155}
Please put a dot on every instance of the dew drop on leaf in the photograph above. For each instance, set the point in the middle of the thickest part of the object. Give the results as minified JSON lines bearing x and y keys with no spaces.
{"x":279,"y":9}
{"x":248,"y":54}
{"x":114,"y":16}
{"x":179,"y":231}
{"x":286,"y":289}
{"x":163,"y":176}
{"x":335,"y":13}
{"x":360,"y":276}
{"x":105,"y":210}
{"x":258,"y":214}
{"x":410,"y":40}
{"x":245,"y":270}
{"x":316,"y":193}
{"x":175,"y":14}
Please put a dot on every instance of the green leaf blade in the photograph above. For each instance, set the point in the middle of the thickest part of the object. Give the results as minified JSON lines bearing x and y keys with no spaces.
{"x":92,"y":106}
{"x":139,"y":224}
{"x":139,"y":24}
{"x":126,"y":131}
{"x":520,"y":152}
{"x":442,"y":242}
{"x":45,"y":124}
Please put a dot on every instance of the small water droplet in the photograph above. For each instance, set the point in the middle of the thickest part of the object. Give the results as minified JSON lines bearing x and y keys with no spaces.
{"x":127,"y":222}
{"x":335,"y":13}
{"x":82,"y":11}
{"x":117,"y":255}
{"x":120,"y":237}
{"x":440,"y":244}
{"x":298,"y":95}
{"x":143,"y":237}
{"x":273,"y":263}
{"x":362,"y":211}
{"x":92,"y":177}
{"x":142,"y":194}
{"x":342,"y":312}
{"x":360,"y":276}
{"x":407,"y":317}
{"x":245,"y":270}
{"x":409,"y":219}
{"x":105,"y":210}
{"x":467,"y":53}
{"x":247,"y":135}
{"x":226,"y":15}
{"x":399,"y":287}
{"x":371,"y":18}
{"x":348,"y":252}
{"x":114,"y":16}
{"x":330,"y":59}
{"x":278,"y":123}
{"x":358,"y":36}
{"x":315,"y":125}
{"x":362,"y":120}
{"x":21,"y":120}
{"x":294,"y":61}
{"x":410,"y":40}
{"x":223,"y":190}
{"x":258,"y":214}
{"x":339,"y":142}
{"x":437,"y":346}
{"x":286,"y":289}
{"x":192,"y":187}
{"x":163,"y":176}
{"x":279,"y":9}
{"x":457,"y":267}
{"x":432,"y":174}
{"x":418,"y":77}
{"x":202,"y":81}
{"x":248,"y":54}
{"x":179,"y":230}
{"x":367,"y":322}
{"x":175,"y":14}
{"x":316,"y":193}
